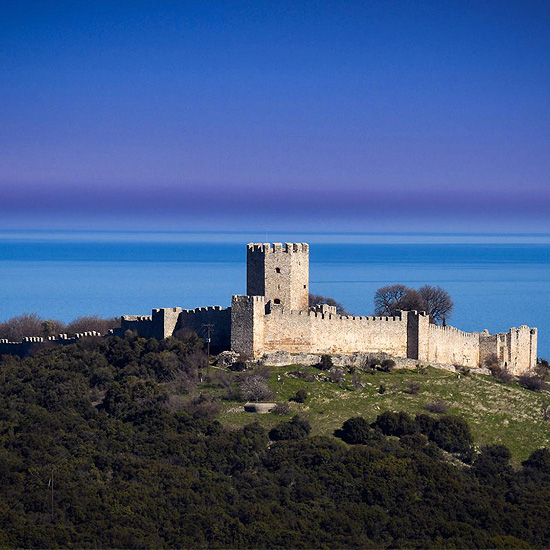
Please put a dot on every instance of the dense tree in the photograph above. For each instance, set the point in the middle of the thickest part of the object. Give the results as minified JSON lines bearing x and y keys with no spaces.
{"x":357,"y":430}
{"x":297,"y":428}
{"x":133,"y":469}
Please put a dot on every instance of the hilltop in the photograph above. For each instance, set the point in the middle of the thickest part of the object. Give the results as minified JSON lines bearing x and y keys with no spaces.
{"x":505,"y":414}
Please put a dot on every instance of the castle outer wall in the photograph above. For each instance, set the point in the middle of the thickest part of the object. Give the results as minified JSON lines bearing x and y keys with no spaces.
{"x":275,"y":316}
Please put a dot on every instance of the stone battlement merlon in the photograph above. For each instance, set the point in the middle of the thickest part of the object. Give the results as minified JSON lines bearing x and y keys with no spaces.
{"x":137,"y":317}
{"x":244,"y":299}
{"x":278,"y":247}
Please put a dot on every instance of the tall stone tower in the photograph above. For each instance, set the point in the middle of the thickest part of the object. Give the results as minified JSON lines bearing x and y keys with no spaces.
{"x":280,"y":273}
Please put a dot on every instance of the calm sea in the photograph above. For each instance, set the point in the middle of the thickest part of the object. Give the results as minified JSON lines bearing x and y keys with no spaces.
{"x":496,"y":282}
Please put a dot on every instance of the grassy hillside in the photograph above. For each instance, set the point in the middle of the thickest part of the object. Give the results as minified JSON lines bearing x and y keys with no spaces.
{"x":504,"y":414}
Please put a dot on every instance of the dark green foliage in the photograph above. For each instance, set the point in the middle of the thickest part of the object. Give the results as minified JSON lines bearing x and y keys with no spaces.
{"x":452,"y":434}
{"x":391,"y":423}
{"x":238,"y":366}
{"x":296,"y":428}
{"x":301,"y":396}
{"x":539,"y":460}
{"x":357,"y":430}
{"x":134,"y":468}
{"x":387,"y":365}
{"x":325,"y":363}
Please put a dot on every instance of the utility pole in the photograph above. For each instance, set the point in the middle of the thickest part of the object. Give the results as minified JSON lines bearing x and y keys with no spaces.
{"x":51,"y":487}
{"x":209,"y":329}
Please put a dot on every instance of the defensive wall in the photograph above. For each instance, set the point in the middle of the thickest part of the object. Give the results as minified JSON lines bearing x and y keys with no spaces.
{"x":30,"y":343}
{"x":164,"y":322}
{"x":260,"y":328}
{"x":275,"y":316}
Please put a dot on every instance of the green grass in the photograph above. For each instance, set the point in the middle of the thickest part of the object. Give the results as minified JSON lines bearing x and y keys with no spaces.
{"x":497,"y":413}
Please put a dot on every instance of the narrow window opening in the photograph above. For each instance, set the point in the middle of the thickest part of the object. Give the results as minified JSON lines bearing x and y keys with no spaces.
{"x":277,"y":301}
{"x":304,"y":286}
{"x":278,"y":269}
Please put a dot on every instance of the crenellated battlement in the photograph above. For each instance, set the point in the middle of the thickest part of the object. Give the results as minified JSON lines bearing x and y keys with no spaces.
{"x":132,"y":318}
{"x":248,"y":299}
{"x":275,"y":248}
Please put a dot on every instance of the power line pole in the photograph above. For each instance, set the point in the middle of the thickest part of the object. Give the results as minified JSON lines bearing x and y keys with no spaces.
{"x":51,"y":487}
{"x":209,"y":329}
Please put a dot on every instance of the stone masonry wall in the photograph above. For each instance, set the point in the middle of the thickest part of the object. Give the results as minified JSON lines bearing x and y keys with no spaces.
{"x":142,"y":324}
{"x":451,"y":345}
{"x":313,"y":332}
{"x":280,"y":273}
{"x":218,"y":317}
{"x":247,"y":325}
{"x":522,"y":348}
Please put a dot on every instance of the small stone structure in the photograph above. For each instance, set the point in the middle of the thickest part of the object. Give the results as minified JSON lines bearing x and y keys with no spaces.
{"x":261,"y":408}
{"x":274,"y":316}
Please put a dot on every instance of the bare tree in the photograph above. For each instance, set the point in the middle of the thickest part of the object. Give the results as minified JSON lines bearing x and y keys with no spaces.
{"x":27,"y":324}
{"x":437,"y":302}
{"x":91,"y":322}
{"x":254,"y":388}
{"x":388,"y":300}
{"x":317,"y":300}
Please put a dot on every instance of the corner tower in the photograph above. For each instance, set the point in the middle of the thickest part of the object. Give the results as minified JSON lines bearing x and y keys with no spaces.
{"x":280,"y":273}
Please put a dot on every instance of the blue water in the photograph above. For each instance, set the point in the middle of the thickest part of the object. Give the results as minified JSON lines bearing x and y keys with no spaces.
{"x":495,"y":285}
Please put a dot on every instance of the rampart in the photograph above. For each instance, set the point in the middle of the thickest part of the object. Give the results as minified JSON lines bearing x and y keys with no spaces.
{"x":275,"y":316}
{"x":164,"y":322}
{"x":30,"y":343}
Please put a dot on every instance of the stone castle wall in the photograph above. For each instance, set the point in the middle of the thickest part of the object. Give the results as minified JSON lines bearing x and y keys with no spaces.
{"x":33,"y":343}
{"x":164,"y":322}
{"x":315,"y":332}
{"x":450,"y":345}
{"x":274,"y":316}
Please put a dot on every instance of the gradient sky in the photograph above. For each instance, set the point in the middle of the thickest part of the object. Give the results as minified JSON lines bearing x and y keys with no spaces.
{"x":371,"y":115}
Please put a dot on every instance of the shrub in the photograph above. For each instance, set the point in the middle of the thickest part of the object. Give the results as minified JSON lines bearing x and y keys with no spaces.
{"x":539,"y":460}
{"x":387,"y":365}
{"x":357,"y":430}
{"x":254,"y":388}
{"x":437,"y":407}
{"x":325,"y":363}
{"x":493,"y":460}
{"x":307,"y":376}
{"x":501,"y":374}
{"x":281,"y":408}
{"x":491,"y":361}
{"x":301,"y":396}
{"x":452,"y":434}
{"x":296,"y":428}
{"x":413,"y":388}
{"x":336,"y":375}
{"x":532,"y":382}
{"x":238,"y":366}
{"x":543,"y":368}
{"x":392,"y":423}
{"x":425,"y":424}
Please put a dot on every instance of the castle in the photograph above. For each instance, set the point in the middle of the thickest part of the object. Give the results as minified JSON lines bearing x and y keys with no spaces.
{"x":275,"y":316}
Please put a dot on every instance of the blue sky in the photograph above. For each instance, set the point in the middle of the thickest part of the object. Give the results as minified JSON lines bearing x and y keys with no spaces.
{"x":373,"y":115}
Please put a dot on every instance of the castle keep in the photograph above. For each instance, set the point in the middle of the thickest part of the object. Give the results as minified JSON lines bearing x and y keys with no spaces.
{"x":275,"y":315}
